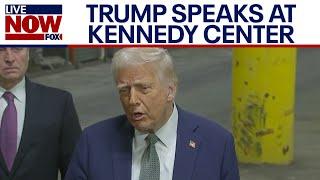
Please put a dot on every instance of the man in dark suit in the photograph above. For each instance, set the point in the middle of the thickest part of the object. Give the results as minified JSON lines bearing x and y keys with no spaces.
{"x":155,"y":139}
{"x":39,"y":125}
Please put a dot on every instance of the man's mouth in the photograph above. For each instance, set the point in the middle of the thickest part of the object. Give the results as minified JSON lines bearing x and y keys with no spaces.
{"x":137,"y":116}
{"x":10,"y":69}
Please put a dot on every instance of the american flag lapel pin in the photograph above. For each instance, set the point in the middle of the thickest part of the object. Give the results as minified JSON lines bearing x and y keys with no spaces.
{"x":192,"y":144}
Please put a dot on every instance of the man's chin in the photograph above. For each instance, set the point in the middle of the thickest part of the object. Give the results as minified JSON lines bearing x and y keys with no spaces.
{"x":142,"y":128}
{"x":11,"y":78}
{"x":11,"y":74}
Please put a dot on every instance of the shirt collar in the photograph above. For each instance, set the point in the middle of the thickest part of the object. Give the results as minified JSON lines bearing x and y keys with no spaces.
{"x":18,"y":90}
{"x":165,"y":133}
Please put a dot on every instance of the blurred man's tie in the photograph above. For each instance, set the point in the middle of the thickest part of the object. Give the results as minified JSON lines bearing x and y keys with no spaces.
{"x":150,"y":165}
{"x":8,"y":131}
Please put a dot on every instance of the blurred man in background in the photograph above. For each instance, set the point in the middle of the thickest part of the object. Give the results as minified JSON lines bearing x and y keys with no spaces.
{"x":39,"y":125}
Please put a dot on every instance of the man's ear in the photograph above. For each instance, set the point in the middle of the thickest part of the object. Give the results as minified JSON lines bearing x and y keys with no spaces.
{"x":172,"y":89}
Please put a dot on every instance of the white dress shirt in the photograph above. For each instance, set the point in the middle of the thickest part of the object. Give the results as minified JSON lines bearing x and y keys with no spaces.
{"x":19,"y":92}
{"x":165,"y":148}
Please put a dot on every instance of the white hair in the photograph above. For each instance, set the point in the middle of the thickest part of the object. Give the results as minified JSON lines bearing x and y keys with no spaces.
{"x":160,"y":59}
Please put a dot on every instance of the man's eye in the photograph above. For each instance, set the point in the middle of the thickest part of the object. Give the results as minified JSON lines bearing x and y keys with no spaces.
{"x":123,"y":91}
{"x":145,"y":89}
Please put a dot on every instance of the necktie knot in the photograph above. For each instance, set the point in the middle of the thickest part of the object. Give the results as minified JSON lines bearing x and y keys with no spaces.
{"x":8,"y":96}
{"x":152,"y":139}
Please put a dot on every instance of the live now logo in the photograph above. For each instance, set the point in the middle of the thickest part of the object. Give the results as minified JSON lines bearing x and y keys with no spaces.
{"x":33,"y":22}
{"x":16,"y":9}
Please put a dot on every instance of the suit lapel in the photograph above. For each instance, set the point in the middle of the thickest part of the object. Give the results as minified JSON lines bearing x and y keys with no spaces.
{"x":188,"y":145}
{"x":122,"y":153}
{"x":32,"y":99}
{"x":3,"y":165}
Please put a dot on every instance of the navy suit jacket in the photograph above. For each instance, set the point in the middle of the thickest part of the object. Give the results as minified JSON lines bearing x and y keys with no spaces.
{"x":104,"y":151}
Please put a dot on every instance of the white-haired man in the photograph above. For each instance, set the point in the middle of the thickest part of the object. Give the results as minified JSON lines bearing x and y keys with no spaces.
{"x":155,"y":139}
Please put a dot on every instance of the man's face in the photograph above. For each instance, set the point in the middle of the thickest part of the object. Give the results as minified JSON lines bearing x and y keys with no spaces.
{"x":13,"y":64}
{"x":146,"y":101}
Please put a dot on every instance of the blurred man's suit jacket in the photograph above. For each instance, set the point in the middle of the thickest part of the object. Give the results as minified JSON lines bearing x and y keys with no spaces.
{"x":50,"y":132}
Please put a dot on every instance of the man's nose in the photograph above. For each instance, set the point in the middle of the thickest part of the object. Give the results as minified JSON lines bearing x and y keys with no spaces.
{"x":8,"y":57}
{"x":134,"y":100}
